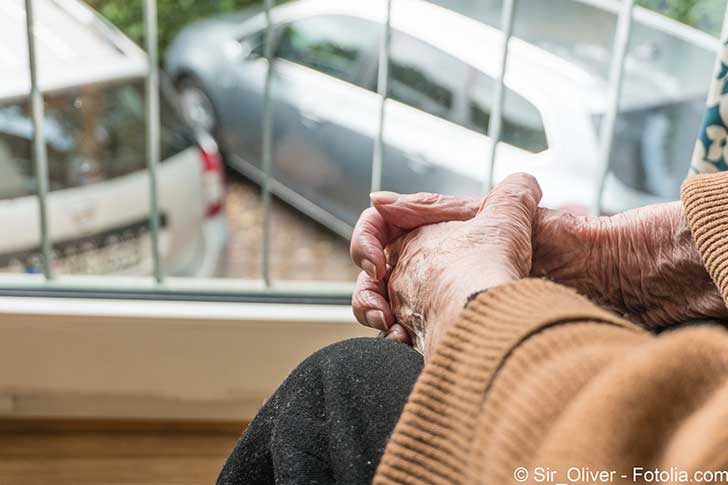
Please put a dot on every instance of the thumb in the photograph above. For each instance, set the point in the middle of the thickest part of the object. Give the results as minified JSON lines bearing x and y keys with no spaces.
{"x":408,"y":211}
{"x":517,"y":191}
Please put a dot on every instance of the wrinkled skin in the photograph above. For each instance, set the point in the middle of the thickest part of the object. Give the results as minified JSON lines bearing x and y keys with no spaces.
{"x":436,"y":267}
{"x":642,"y":263}
{"x":392,"y":216}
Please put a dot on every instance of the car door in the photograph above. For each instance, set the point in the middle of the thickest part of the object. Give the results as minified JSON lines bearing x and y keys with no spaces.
{"x":324,"y":119}
{"x":241,"y":104}
{"x":523,"y":143}
{"x":423,"y":144}
{"x":437,"y":120}
{"x":98,"y":199}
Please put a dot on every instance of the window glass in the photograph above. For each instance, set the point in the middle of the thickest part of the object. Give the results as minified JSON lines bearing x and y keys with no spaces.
{"x":653,"y":145}
{"x":254,"y":43}
{"x":332,"y":44}
{"x":92,"y":134}
{"x":522,"y":125}
{"x":424,"y":77}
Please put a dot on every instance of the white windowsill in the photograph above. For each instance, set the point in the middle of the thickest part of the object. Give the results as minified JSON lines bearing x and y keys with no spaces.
{"x":86,"y":358}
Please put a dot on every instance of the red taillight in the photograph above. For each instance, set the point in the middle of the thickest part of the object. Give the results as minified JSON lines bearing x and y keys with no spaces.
{"x":213,"y":180}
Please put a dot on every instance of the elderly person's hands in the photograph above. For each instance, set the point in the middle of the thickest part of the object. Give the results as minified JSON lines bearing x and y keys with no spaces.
{"x":373,"y":233}
{"x":642,"y":263}
{"x":437,"y":267}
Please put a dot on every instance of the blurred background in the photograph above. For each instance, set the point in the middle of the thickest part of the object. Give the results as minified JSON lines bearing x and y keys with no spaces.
{"x":705,"y":15}
{"x":325,"y":112}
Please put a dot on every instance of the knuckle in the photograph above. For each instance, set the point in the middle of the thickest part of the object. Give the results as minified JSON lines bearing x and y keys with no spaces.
{"x":364,"y":298}
{"x":367,"y":218}
{"x":519,"y":188}
{"x":362,"y":281}
{"x":427,"y":198}
{"x":368,"y":213}
{"x":365,"y":230}
{"x":366,"y":292}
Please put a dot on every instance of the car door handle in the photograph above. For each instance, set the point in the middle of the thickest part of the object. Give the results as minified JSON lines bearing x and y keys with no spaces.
{"x":418,"y":162}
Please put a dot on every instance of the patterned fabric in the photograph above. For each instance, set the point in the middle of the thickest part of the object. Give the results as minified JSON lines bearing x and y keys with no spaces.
{"x":711,"y":148}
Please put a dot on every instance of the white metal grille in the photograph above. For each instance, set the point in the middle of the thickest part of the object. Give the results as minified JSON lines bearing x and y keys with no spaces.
{"x":509,"y":8}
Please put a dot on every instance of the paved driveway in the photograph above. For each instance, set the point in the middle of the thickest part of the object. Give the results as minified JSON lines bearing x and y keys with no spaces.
{"x":301,"y":248}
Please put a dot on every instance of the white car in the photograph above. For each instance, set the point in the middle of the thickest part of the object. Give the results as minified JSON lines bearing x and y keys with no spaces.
{"x":92,"y":77}
{"x":442,"y":76}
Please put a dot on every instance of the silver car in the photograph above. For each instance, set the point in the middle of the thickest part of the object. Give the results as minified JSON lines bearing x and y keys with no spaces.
{"x":442,"y":77}
{"x":93,"y":81}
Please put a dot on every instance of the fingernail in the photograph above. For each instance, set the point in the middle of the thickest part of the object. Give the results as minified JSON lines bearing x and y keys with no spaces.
{"x":369,"y":268}
{"x":383,"y":197}
{"x":393,"y":335}
{"x":375,"y":318}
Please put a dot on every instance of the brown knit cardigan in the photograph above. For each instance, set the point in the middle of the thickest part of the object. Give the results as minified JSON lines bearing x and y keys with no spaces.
{"x":535,"y":384}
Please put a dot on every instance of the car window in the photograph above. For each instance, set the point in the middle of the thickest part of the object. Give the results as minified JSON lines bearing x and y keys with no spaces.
{"x":653,"y":145}
{"x":254,"y":44}
{"x":331,"y":44}
{"x":521,"y":126}
{"x":424,"y":77}
{"x":92,"y":134}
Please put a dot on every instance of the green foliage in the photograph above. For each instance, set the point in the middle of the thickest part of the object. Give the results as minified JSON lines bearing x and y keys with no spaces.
{"x":172,"y":15}
{"x":703,"y":14}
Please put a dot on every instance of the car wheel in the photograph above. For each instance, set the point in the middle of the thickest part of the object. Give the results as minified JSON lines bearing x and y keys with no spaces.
{"x":197,"y":107}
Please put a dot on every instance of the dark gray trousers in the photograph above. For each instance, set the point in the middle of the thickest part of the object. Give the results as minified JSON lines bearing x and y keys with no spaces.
{"x":331,"y":418}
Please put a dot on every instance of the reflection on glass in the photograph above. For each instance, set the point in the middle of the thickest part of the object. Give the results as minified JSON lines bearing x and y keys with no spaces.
{"x":653,"y":145}
{"x":522,"y":125}
{"x":331,"y":45}
{"x":92,"y":134}
{"x":423,"y":77}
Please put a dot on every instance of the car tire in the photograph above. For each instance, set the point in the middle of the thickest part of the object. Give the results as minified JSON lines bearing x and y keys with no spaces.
{"x":197,"y":107}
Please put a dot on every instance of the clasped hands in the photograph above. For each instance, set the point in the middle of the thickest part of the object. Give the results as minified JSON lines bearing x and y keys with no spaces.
{"x":423,"y":255}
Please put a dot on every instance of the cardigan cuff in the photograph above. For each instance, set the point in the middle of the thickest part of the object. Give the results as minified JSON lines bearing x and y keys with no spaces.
{"x":705,"y":198}
{"x":435,"y":428}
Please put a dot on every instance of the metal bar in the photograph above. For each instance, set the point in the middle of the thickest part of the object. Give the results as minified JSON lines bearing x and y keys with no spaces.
{"x":616,"y":74}
{"x":183,"y":287}
{"x":40,"y":155}
{"x":161,"y":295}
{"x":267,"y":142}
{"x":496,"y":117}
{"x":152,"y":124}
{"x":382,"y":88}
{"x":724,"y":27}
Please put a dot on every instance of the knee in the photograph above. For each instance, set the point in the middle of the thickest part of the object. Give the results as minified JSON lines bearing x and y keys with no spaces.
{"x":366,"y":360}
{"x":356,"y":366}
{"x":361,"y":351}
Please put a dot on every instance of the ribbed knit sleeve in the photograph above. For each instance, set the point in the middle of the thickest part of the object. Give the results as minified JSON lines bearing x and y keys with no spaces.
{"x":705,"y":198}
{"x":533,"y":376}
{"x":433,"y":440}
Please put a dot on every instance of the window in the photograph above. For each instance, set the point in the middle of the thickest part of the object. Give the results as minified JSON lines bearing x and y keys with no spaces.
{"x":253,"y":45}
{"x":333,"y":45}
{"x":521,"y":126}
{"x":653,"y":145}
{"x":424,"y":77}
{"x":92,"y":134}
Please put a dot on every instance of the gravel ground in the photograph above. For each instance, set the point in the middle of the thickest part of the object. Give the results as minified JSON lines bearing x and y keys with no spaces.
{"x":301,"y":249}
